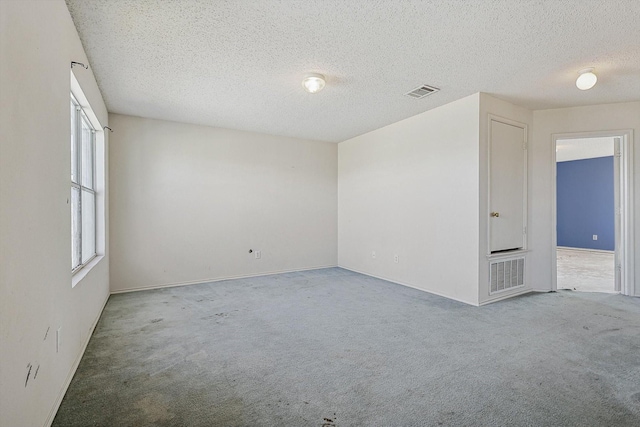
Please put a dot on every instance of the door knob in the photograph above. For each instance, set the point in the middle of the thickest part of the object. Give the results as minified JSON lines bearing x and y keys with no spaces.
{"x":495,"y":214}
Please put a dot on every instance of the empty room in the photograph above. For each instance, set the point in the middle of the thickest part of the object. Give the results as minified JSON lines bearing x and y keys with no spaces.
{"x":329,"y":213}
{"x":586,"y":193}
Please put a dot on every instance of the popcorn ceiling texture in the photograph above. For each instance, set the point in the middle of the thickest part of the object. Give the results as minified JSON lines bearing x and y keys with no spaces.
{"x":239,"y":64}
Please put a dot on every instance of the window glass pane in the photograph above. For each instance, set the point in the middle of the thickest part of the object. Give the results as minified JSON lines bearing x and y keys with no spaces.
{"x":75,"y":227}
{"x":87,"y":155}
{"x":74,"y":153}
{"x":88,"y":225}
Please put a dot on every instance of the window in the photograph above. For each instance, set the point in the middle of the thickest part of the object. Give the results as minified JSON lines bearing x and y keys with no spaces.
{"x":83,"y":187}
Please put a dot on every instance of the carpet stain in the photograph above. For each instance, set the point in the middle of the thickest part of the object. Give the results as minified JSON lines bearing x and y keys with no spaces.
{"x":329,"y":422}
{"x":201,"y":355}
{"x":157,"y":320}
{"x":445,"y":418}
{"x":608,"y":315}
{"x":153,"y":410}
{"x":229,"y":413}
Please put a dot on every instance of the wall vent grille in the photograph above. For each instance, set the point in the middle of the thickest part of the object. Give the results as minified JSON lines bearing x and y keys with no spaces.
{"x":506,"y":275}
{"x":422,"y":91}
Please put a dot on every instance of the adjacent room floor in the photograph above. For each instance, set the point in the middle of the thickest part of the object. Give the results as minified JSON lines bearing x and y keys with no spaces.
{"x":587,"y":271}
{"x":334,"y":348}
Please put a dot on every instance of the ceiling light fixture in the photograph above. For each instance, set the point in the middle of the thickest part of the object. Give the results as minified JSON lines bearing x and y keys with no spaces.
{"x":313,"y":82}
{"x":586,"y":80}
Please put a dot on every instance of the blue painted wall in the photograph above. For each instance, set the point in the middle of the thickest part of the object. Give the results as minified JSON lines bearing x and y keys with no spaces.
{"x":586,"y":203}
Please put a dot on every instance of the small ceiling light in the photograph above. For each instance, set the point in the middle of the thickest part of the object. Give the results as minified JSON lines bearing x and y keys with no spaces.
{"x":587,"y":79}
{"x":313,"y":82}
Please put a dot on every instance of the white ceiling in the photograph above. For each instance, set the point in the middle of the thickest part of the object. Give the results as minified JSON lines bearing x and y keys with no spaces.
{"x":583,"y":148}
{"x":239,"y":64}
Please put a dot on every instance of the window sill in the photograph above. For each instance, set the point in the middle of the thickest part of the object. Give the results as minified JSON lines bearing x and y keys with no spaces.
{"x":515,"y":253}
{"x":82,"y":273}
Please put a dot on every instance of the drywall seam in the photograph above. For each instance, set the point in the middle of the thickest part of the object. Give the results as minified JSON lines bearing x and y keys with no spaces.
{"x":218,"y":279}
{"x":408,"y":286}
{"x":74,"y":368}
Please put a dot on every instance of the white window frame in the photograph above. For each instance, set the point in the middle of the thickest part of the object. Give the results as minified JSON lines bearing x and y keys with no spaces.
{"x":80,"y":117}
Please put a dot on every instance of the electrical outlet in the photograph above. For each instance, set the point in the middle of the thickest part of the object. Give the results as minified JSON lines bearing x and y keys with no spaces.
{"x":373,"y":254}
{"x":258,"y":254}
{"x":396,"y":258}
{"x":595,"y":237}
{"x":58,"y":339}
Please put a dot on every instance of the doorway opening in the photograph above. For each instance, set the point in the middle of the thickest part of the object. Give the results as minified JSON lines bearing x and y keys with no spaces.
{"x":592,"y":218}
{"x":585,"y":214}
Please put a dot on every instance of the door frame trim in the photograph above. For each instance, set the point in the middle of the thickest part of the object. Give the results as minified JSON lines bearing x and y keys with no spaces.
{"x":525,"y":199}
{"x":625,"y":182}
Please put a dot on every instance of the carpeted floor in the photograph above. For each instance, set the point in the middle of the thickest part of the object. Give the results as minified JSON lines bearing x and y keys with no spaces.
{"x":335,"y":348}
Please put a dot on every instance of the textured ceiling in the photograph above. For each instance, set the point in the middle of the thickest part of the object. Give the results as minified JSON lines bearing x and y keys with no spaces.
{"x":239,"y":64}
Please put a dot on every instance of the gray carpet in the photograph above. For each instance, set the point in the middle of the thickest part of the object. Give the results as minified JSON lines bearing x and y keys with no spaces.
{"x":335,"y":348}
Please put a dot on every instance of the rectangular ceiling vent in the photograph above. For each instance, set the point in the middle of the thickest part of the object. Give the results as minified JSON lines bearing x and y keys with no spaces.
{"x":422,"y":91}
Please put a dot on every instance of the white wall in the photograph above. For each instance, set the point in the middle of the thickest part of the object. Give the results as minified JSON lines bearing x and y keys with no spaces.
{"x":188,"y":202}
{"x":38,"y":41}
{"x":584,"y":148}
{"x":571,"y":120}
{"x":490,"y":105}
{"x":411,"y":189}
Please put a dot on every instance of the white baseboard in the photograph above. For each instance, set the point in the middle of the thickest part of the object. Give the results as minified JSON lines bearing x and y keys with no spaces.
{"x":74,"y":368}
{"x":217,"y":279}
{"x":523,"y":291}
{"x":408,"y":285}
{"x":567,"y":248}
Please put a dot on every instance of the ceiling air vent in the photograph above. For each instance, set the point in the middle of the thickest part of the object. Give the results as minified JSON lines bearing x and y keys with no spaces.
{"x":422,"y":91}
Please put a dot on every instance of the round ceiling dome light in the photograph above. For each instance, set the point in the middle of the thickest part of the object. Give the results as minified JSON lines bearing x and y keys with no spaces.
{"x":586,"y":80}
{"x":313,"y":82}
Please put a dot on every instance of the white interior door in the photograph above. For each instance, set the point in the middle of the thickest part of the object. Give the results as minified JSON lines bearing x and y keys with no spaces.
{"x":507,"y":159}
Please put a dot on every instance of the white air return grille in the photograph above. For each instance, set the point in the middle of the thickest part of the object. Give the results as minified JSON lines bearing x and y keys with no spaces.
{"x":507,"y":274}
{"x":422,"y":91}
